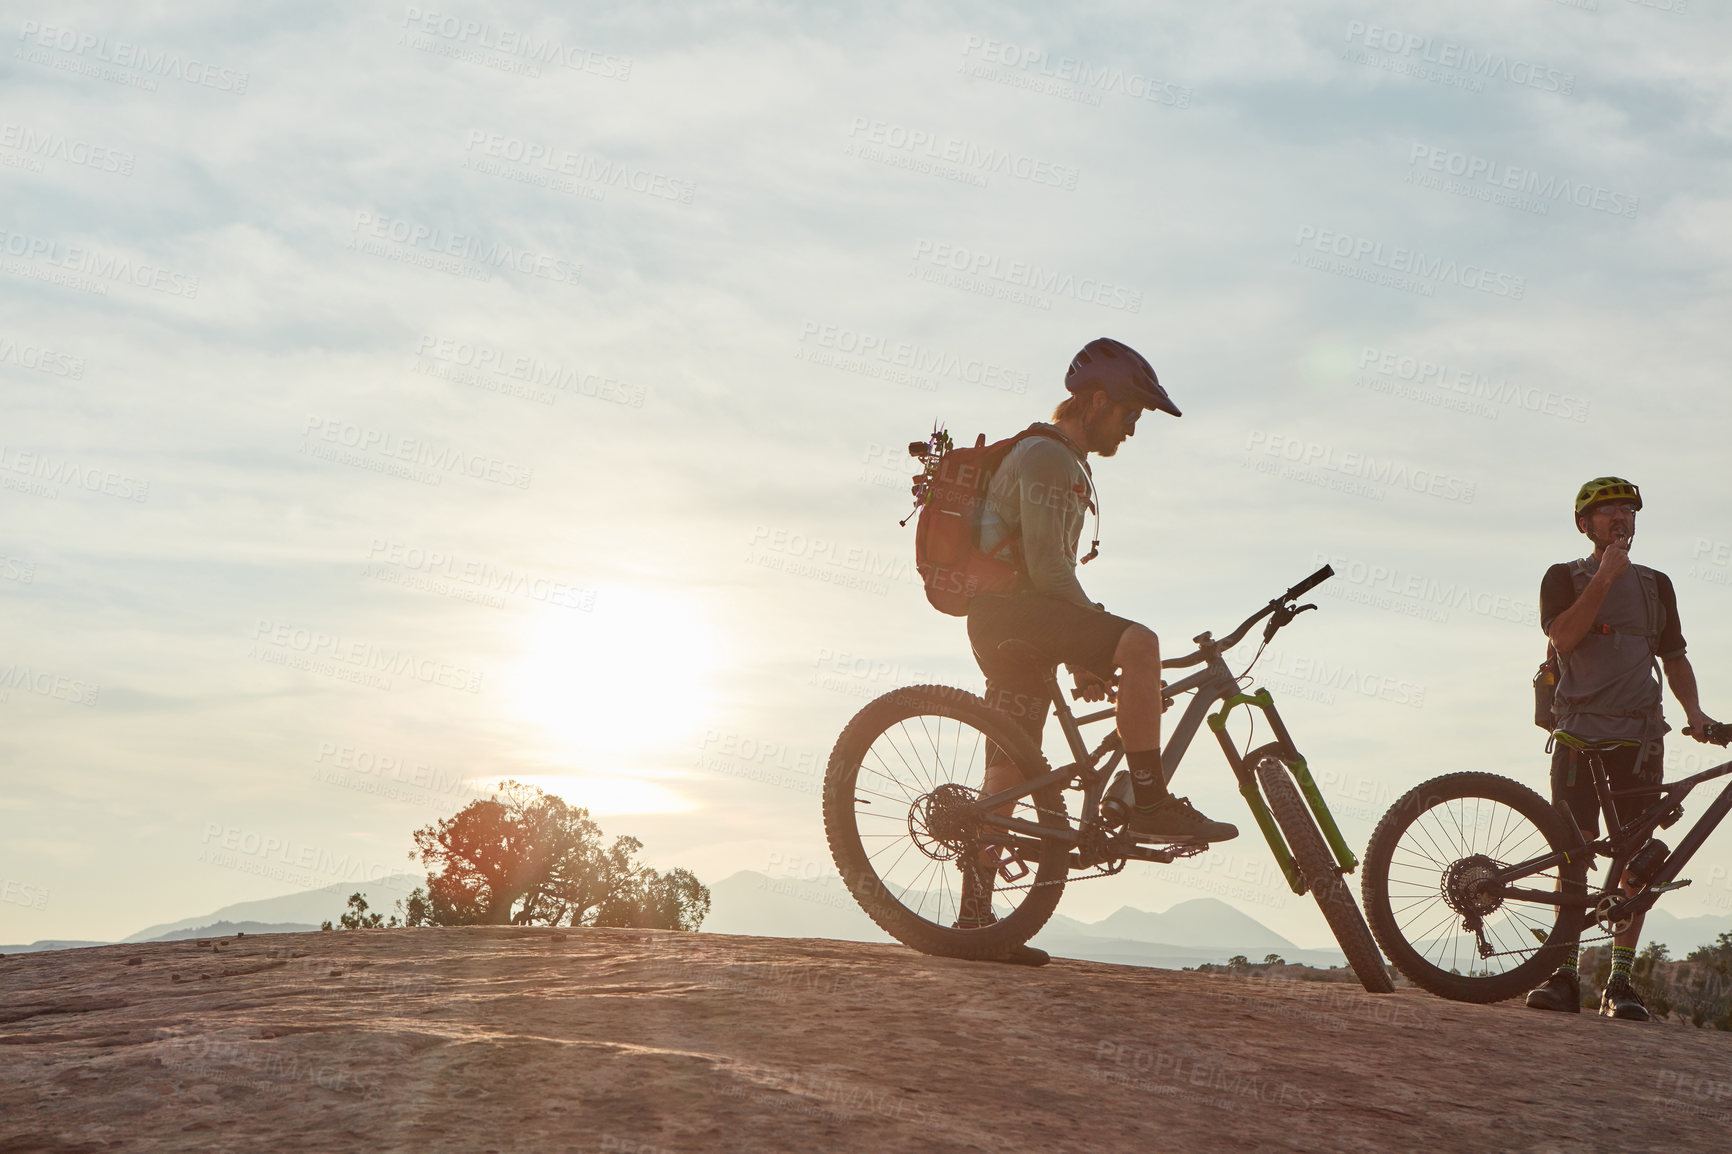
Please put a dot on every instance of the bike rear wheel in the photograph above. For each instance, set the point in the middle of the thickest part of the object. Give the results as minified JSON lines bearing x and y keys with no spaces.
{"x":1319,"y":870}
{"x":1424,"y":872}
{"x":897,"y":797}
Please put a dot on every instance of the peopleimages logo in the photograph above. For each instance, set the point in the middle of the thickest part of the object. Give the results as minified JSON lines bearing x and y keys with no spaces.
{"x":531,"y":371}
{"x":1375,"y":583}
{"x":372,"y":230}
{"x":511,"y":42}
{"x":1360,"y":470}
{"x":988,"y":274}
{"x":587,"y":168}
{"x":363,"y":656}
{"x":1416,"y":49}
{"x":1088,"y":79}
{"x":122,"y":54}
{"x":1471,"y":384}
{"x":1511,"y":185}
{"x":40,"y":359}
{"x":434,"y":460}
{"x":971,"y":157}
{"x":916,"y":358}
{"x":1369,"y":256}
{"x":54,"y":470}
{"x":57,"y":146}
{"x":48,"y":253}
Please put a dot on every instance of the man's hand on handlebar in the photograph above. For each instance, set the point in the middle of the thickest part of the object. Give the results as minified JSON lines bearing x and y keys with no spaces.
{"x":1706,"y":730}
{"x":1088,"y":686}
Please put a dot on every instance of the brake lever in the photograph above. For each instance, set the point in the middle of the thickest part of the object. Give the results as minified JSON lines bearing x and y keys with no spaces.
{"x":1282,"y":617}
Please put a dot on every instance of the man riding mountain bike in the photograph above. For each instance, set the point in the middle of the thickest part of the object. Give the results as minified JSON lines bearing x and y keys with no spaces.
{"x":1037,"y":501}
{"x":1610,"y":621}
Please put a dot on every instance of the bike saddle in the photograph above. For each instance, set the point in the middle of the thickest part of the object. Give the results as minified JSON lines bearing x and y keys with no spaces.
{"x":1023,"y":655}
{"x":1600,"y":746}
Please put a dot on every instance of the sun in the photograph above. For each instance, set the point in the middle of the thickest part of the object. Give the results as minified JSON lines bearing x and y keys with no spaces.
{"x":607,"y":796}
{"x":620,"y":682}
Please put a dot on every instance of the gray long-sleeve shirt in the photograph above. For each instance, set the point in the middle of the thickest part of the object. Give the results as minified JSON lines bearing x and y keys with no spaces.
{"x":1040,"y":493}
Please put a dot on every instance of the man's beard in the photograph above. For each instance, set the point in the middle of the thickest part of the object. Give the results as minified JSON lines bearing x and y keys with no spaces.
{"x":1612,"y":538}
{"x":1105,"y":434}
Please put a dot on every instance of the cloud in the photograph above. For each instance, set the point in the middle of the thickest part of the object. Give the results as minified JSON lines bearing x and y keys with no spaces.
{"x":615,"y":301}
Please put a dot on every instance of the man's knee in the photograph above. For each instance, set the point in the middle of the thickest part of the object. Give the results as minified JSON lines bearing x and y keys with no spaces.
{"x":1138,"y":651}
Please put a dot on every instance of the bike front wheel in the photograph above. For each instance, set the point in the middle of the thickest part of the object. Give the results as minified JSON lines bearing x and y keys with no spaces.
{"x":1428,"y":887}
{"x":899,"y":794}
{"x":1319,"y":870}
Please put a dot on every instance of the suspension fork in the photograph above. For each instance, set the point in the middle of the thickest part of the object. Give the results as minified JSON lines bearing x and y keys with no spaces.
{"x":1253,"y":794}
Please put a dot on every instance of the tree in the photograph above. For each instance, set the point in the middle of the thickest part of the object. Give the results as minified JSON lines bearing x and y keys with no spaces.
{"x":359,"y":919}
{"x":1648,"y":976}
{"x":524,"y":857}
{"x":1238,"y":962}
{"x":676,"y":900}
{"x":1274,"y":960}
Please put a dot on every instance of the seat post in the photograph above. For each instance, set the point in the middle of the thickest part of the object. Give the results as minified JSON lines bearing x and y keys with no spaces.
{"x":1073,"y":737}
{"x":1603,"y":789}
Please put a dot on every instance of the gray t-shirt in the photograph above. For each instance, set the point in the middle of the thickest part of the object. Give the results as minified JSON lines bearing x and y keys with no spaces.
{"x":1040,"y":491}
{"x":1607,"y":689}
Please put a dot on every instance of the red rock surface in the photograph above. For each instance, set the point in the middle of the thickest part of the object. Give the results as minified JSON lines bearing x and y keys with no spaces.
{"x":637,"y":1042}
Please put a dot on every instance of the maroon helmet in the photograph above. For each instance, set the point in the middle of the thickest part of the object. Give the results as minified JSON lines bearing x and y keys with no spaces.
{"x":1120,"y":370}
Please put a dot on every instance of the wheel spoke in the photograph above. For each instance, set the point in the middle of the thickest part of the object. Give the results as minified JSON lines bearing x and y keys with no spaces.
{"x":913,"y":783}
{"x":1447,"y":851}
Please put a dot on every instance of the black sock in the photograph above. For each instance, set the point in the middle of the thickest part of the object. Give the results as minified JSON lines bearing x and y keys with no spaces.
{"x":1148,"y":782}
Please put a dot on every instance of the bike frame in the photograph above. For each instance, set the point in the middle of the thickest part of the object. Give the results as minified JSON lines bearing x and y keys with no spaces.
{"x":1215,"y":682}
{"x":1621,"y":845}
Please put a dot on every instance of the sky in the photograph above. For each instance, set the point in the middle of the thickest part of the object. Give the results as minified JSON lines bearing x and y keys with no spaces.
{"x":400,"y":399}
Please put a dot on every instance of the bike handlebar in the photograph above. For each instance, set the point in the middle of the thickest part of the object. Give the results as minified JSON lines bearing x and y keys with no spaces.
{"x":1309,"y":583}
{"x":1276,"y":605}
{"x":1717,"y":734}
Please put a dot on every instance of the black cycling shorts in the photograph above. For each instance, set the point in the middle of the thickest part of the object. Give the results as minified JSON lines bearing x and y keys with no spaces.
{"x":1626,"y":768}
{"x":1062,"y":630}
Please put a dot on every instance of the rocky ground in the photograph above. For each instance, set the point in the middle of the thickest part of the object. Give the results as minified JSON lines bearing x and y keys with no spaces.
{"x":639,"y":1042}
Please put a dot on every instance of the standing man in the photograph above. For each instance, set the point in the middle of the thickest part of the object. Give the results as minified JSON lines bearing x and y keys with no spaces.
{"x":1610,"y":621}
{"x":1037,"y":501}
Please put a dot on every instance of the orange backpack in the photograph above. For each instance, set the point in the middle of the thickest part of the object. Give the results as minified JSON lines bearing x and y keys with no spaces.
{"x":948,"y":493}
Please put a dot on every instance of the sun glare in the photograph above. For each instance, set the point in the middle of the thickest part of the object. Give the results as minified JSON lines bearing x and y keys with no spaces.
{"x":602,"y":796}
{"x":627,"y":679}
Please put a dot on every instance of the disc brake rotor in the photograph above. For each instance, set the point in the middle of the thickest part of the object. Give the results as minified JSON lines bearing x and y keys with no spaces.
{"x":943,"y":823}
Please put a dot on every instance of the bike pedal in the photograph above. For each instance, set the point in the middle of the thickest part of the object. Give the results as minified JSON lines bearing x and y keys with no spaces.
{"x":1677,"y":885}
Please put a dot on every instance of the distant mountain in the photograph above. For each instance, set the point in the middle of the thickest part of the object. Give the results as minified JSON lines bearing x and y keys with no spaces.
{"x":1192,"y":932}
{"x":230,"y":929}
{"x":1198,"y":922}
{"x":309,"y":906}
{"x":753,"y":903}
{"x":38,"y":947}
{"x":1683,"y":934}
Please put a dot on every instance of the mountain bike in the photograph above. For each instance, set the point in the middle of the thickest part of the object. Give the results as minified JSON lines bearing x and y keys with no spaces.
{"x":1476,"y":885}
{"x":919,"y":845}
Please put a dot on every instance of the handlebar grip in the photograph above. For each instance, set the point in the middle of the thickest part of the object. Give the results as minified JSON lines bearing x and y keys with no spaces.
{"x":1717,"y":734}
{"x":1310,"y":583}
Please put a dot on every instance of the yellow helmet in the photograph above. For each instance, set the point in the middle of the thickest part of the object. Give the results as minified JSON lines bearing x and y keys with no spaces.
{"x":1606,"y":489}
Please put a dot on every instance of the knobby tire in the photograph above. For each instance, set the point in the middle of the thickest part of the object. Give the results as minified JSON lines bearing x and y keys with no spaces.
{"x":853,"y":861}
{"x":1318,"y":867}
{"x":1386,"y":921}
